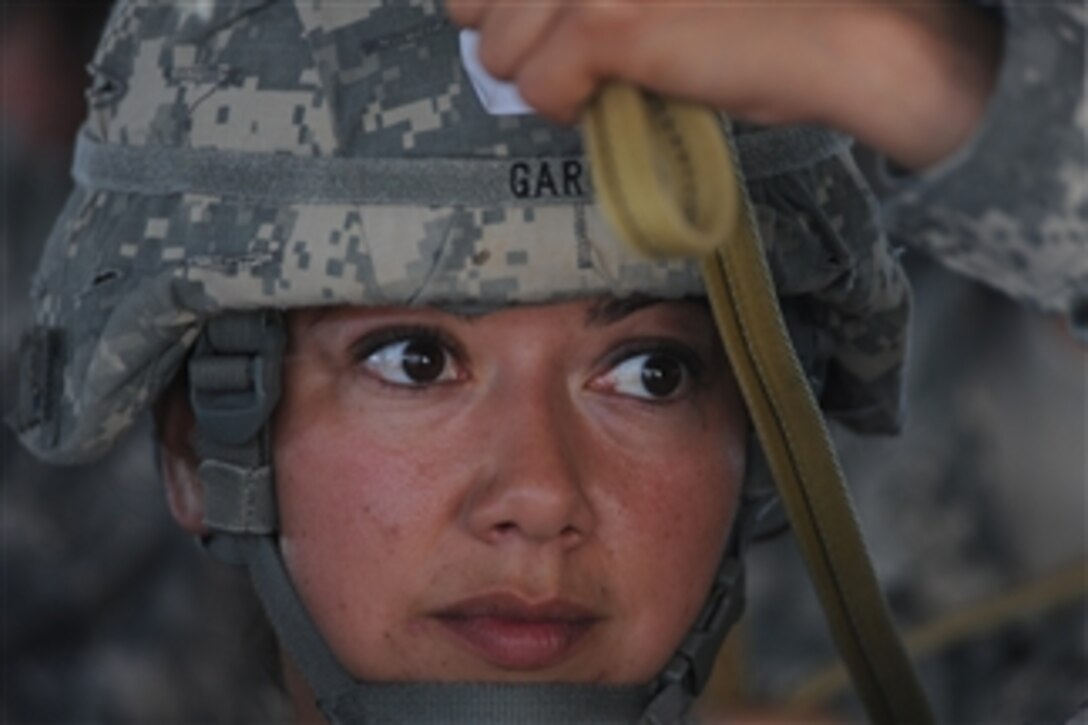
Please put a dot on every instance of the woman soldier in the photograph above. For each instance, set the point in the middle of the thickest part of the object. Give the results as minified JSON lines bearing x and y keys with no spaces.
{"x":482,"y":462}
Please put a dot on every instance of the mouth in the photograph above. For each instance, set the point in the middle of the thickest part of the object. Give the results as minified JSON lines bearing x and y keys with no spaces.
{"x":509,"y":632}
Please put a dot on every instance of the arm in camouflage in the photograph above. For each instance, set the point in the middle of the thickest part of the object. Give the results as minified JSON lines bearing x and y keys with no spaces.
{"x":1011,"y":208}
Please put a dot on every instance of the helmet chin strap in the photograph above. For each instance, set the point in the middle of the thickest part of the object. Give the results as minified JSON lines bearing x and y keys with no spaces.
{"x":343,"y":699}
{"x":234,"y":379}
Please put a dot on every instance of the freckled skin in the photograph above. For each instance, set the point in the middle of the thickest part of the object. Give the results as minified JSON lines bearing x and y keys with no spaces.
{"x":527,"y":473}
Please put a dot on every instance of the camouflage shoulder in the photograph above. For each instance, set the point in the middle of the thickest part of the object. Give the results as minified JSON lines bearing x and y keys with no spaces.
{"x":1011,"y":208}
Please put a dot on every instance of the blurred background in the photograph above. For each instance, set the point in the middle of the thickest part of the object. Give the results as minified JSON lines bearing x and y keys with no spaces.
{"x":976,"y":515}
{"x":109,"y":613}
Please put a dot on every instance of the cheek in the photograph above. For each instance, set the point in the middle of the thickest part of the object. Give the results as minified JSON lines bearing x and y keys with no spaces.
{"x":682,"y":486}
{"x":358,"y":508}
{"x":346,"y":468}
{"x":670,"y":532}
{"x":327,"y":517}
{"x":684,"y":514}
{"x":332,"y":482}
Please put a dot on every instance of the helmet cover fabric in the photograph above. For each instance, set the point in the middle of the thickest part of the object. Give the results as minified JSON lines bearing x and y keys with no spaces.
{"x":132,"y":270}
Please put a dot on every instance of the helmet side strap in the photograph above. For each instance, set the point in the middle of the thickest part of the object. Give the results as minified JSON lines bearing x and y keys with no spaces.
{"x":234,"y":385}
{"x":687,"y":673}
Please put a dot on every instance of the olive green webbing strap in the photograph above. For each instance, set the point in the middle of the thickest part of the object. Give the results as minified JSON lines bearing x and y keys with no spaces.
{"x":666,"y":178}
{"x":1024,"y":602}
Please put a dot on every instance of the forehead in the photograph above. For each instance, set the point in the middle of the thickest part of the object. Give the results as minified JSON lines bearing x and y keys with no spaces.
{"x":598,"y":310}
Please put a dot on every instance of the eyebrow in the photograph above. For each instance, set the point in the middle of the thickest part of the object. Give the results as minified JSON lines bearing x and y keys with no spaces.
{"x":605,"y":311}
{"x":610,"y":310}
{"x":468,"y":311}
{"x":471,"y":311}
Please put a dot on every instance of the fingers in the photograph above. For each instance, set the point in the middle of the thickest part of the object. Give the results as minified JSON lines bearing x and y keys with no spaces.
{"x":763,"y":62}
{"x":509,"y":34}
{"x":467,"y":13}
{"x":556,"y":52}
{"x":897,"y":76}
{"x":577,"y":54}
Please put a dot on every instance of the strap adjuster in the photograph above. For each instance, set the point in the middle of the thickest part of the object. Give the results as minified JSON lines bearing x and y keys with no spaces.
{"x":234,"y":376}
{"x":694,"y":659}
{"x":238,"y":499}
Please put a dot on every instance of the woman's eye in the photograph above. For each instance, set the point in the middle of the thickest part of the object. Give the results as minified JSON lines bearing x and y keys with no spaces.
{"x":412,"y":361}
{"x":649,"y":376}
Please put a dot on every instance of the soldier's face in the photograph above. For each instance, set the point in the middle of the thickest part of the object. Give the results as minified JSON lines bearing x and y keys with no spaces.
{"x":535,"y":494}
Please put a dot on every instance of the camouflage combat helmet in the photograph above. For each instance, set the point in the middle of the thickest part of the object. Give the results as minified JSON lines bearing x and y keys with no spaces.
{"x":253,"y":156}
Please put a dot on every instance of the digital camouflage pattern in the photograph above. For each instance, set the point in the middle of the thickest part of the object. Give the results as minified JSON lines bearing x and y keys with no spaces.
{"x":1011,"y":208}
{"x":465,"y":207}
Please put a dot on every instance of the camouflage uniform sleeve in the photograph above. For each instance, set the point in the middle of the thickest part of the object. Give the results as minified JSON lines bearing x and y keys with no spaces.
{"x":1011,"y":208}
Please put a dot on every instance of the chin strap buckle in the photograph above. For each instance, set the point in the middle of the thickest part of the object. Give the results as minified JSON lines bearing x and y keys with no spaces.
{"x":234,"y":375}
{"x":688,"y":671}
{"x":694,"y":660}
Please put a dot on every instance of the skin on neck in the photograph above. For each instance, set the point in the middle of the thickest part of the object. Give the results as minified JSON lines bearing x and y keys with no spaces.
{"x":303,"y":705}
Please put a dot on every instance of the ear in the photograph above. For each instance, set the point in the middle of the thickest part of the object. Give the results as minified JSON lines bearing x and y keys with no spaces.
{"x":178,"y":461}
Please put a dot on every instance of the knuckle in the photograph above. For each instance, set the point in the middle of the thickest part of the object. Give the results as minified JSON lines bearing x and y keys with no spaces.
{"x":554,"y":98}
{"x":595,"y":22}
{"x":465,"y":12}
{"x":495,"y":56}
{"x":540,"y":94}
{"x":603,"y":31}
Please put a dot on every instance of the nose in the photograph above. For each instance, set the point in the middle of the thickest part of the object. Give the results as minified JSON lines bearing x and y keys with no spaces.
{"x":531,"y":480}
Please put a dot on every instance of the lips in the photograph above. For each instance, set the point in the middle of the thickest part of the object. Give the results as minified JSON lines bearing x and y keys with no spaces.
{"x":511,"y":633}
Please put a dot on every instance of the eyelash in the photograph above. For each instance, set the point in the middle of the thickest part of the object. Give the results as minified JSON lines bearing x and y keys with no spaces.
{"x":693,"y":365}
{"x":363,"y":349}
{"x":658,"y":346}
{"x":372,"y":342}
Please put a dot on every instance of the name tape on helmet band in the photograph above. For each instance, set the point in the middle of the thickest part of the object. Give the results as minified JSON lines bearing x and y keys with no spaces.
{"x":280,"y":178}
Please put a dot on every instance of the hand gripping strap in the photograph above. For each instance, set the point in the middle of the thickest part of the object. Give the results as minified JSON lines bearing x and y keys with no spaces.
{"x":669,"y":184}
